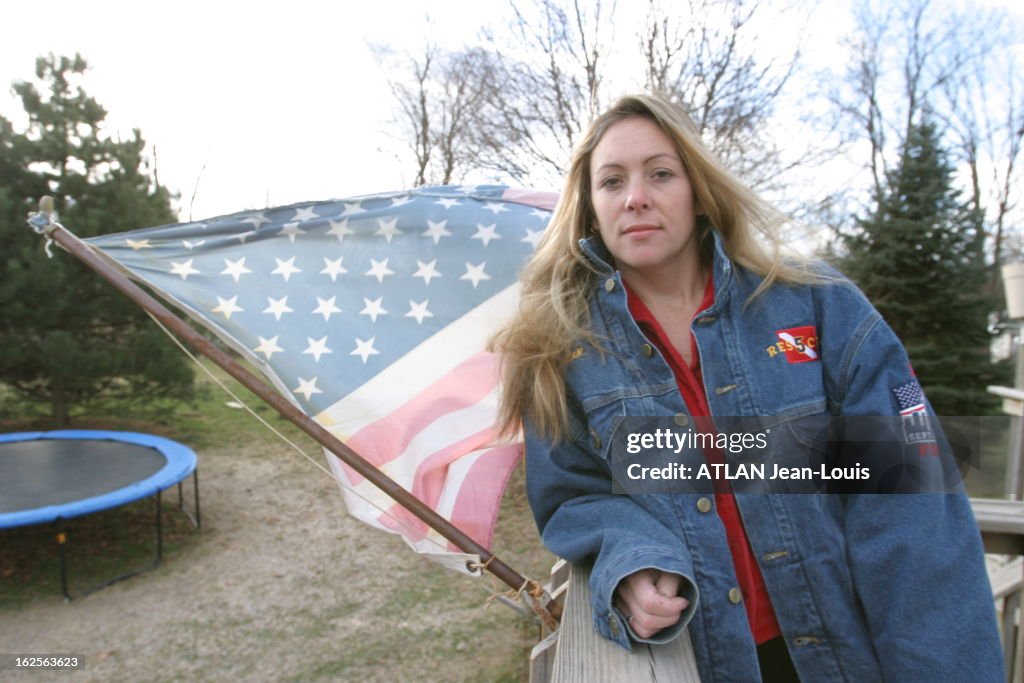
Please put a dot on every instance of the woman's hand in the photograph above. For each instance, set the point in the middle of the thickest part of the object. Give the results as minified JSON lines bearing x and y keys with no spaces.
{"x":650,"y":601}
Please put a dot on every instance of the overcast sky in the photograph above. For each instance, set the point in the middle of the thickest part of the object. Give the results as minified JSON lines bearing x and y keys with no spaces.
{"x":259,"y":103}
{"x":271,"y":102}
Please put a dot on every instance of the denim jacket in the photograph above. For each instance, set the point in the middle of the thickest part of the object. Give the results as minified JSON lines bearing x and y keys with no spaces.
{"x":865,"y":587}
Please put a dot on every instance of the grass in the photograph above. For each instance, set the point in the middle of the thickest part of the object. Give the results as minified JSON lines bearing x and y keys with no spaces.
{"x":205,"y":421}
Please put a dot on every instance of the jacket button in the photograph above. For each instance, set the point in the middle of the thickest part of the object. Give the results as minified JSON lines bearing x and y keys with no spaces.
{"x":609,"y":284}
{"x":681,"y":419}
{"x":803,"y":641}
{"x":647,"y":350}
{"x":613,"y":625}
{"x":704,"y":505}
{"x":735,"y":596}
{"x":724,"y":389}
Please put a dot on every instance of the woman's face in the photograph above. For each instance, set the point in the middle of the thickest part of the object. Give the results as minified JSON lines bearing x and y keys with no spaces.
{"x":641,"y":194}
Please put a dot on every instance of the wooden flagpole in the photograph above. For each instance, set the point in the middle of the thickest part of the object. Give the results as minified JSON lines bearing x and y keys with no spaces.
{"x":44,"y":223}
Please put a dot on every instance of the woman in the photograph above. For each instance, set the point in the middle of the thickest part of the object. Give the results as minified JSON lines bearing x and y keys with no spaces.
{"x":651,"y":295}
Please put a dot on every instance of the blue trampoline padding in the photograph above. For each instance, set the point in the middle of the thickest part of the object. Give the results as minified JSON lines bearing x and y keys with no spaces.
{"x":169,"y":463}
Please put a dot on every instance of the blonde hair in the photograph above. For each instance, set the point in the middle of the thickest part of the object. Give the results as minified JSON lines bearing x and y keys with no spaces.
{"x":553,"y":315}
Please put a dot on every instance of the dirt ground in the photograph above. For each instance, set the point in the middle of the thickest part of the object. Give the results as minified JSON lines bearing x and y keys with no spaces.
{"x":280,"y":584}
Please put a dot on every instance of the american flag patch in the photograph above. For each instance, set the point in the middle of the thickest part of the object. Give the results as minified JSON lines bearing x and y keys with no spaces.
{"x":909,"y":398}
{"x":917,"y":427}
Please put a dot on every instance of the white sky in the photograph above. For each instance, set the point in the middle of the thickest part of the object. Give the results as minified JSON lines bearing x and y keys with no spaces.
{"x":280,"y":101}
{"x":260,"y":103}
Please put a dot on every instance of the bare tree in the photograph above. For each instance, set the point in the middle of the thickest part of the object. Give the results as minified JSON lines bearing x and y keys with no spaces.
{"x":703,"y":55}
{"x":516,"y":106}
{"x":915,"y":59}
{"x":445,"y":100}
{"x":986,"y":122}
{"x":553,"y":86}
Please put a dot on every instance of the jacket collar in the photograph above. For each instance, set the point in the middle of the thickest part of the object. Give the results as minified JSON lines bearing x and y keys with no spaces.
{"x":597,"y":253}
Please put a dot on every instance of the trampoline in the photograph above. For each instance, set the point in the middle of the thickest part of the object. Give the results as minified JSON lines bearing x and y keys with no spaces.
{"x":49,"y":477}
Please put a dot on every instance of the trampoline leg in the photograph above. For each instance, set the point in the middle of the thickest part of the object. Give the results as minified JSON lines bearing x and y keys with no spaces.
{"x":159,"y":532}
{"x":62,"y":538}
{"x":195,"y":488}
{"x":192,"y":517}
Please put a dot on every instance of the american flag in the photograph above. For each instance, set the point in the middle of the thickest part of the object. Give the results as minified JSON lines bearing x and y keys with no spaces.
{"x":909,"y":398}
{"x":371,"y":314}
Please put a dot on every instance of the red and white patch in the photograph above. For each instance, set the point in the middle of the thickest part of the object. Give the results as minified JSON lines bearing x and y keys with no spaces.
{"x":797,"y":344}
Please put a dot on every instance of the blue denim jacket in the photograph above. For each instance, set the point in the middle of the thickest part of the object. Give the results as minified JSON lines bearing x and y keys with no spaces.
{"x":865,"y":587}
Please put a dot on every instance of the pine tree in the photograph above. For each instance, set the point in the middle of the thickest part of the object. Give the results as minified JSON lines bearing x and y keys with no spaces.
{"x":67,"y":336}
{"x":920,"y":259}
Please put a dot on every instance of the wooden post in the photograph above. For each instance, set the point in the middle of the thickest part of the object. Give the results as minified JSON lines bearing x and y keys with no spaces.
{"x":585,"y":657}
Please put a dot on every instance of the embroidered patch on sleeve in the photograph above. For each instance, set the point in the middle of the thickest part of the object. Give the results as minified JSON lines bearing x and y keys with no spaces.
{"x":917,"y":427}
{"x":797,"y":344}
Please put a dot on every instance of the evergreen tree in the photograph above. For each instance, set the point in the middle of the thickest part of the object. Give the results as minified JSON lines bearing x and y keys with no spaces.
{"x":67,"y":336}
{"x":919,"y":258}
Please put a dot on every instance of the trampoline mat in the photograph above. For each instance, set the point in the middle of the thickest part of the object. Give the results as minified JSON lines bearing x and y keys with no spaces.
{"x":47,"y":472}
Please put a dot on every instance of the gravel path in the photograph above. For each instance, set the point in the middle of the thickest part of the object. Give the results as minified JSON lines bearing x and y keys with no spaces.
{"x":280,"y":585}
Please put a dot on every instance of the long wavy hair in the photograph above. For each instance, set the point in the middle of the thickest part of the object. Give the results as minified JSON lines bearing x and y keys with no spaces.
{"x":553,"y":316}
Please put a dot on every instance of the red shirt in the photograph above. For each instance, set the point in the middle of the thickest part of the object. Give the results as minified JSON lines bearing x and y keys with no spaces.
{"x":690,"y":381}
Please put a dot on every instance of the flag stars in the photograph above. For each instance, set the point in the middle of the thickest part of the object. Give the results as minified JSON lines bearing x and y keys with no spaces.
{"x":184,"y":269}
{"x":475,"y":274}
{"x":278,"y":307}
{"x":419,"y":311}
{"x":305,"y":213}
{"x":285,"y":268}
{"x":448,"y":202}
{"x":352,"y":208}
{"x":235,"y":269}
{"x":379,"y":269}
{"x":256,"y":220}
{"x":227,"y":306}
{"x":317,"y":348}
{"x":136,"y":245}
{"x":486,"y":233}
{"x":373,"y":308}
{"x":427,"y":271}
{"x":333,"y":268}
{"x":496,"y":207}
{"x":387,"y":229}
{"x":307,"y":387}
{"x":364,"y":349}
{"x":291,"y":230}
{"x":268,"y":347}
{"x":532,"y":237}
{"x":400,"y":201}
{"x":339,"y":229}
{"x":192,"y":245}
{"x":436,"y":231}
{"x":326,"y":308}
